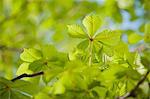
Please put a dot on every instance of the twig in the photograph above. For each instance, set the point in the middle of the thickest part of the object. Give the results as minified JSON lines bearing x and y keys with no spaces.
{"x":3,"y":47}
{"x":10,"y":48}
{"x":27,"y":75}
{"x":132,"y":92}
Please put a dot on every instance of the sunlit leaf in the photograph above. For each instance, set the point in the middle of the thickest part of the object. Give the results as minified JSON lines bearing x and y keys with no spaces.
{"x":49,"y":51}
{"x":23,"y":68}
{"x":30,"y":55}
{"x":108,"y":37}
{"x":58,"y":88}
{"x":52,"y":73}
{"x":92,"y":23}
{"x":76,"y":31}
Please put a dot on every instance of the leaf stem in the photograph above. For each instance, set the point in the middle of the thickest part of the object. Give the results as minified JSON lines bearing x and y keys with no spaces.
{"x":90,"y":51}
{"x":27,"y":75}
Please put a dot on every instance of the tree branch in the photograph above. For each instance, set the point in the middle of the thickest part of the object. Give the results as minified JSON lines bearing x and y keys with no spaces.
{"x":132,"y":92}
{"x":27,"y":75}
{"x":3,"y":47}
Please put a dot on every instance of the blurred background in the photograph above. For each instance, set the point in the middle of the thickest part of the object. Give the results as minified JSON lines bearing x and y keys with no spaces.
{"x":30,"y":23}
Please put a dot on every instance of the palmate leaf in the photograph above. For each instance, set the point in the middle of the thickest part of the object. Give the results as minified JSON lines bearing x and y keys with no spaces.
{"x":30,"y":55}
{"x":17,"y":90}
{"x":69,"y":78}
{"x":76,"y":31}
{"x":92,"y":23}
{"x":108,"y":37}
{"x":43,"y":65}
{"x":48,"y":57}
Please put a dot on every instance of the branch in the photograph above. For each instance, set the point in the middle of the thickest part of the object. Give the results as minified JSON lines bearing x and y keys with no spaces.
{"x":27,"y":75}
{"x":3,"y":47}
{"x":132,"y":92}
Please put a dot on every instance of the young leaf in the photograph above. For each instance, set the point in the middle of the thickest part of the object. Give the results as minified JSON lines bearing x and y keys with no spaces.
{"x":76,"y":31}
{"x":123,"y":53}
{"x":30,"y":55}
{"x":23,"y":68}
{"x":108,"y":37}
{"x":49,"y":51}
{"x":51,"y":73}
{"x":92,"y":23}
{"x":58,"y":88}
{"x":36,"y":65}
{"x":83,"y":45}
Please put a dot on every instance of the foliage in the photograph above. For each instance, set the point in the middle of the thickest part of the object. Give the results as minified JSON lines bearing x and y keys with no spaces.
{"x":95,"y":62}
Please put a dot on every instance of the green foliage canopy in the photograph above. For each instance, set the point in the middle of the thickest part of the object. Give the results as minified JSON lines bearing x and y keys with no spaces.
{"x":95,"y":62}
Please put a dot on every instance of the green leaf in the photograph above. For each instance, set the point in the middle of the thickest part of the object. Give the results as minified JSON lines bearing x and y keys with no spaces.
{"x":78,"y":54}
{"x":36,"y":65}
{"x":123,"y":53}
{"x":23,"y":68}
{"x":51,"y":73}
{"x":42,"y":95}
{"x":108,"y":37}
{"x":92,"y":23}
{"x":109,"y":74}
{"x":145,"y":62}
{"x":48,"y":52}
{"x":134,"y":38}
{"x":73,"y":80}
{"x":16,"y":90}
{"x":26,"y":87}
{"x":58,"y":88}
{"x":76,"y":31}
{"x":83,"y":45}
{"x":128,"y":73}
{"x":30,"y":55}
{"x":100,"y":91}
